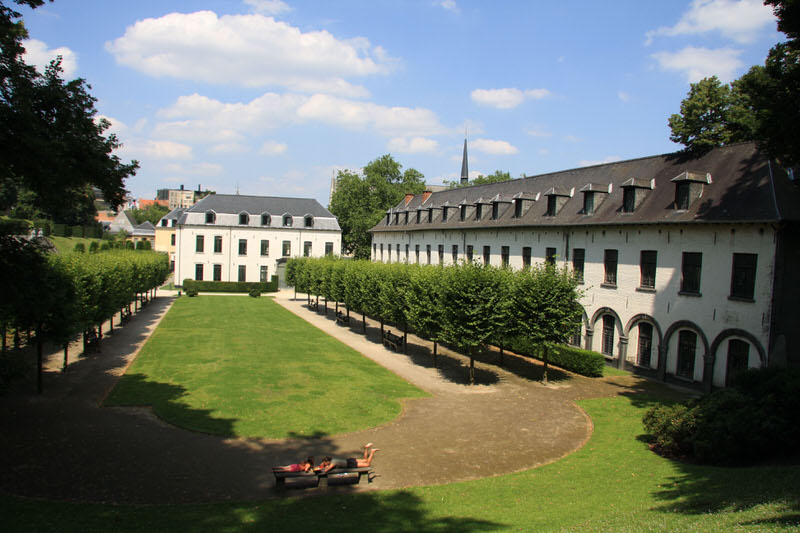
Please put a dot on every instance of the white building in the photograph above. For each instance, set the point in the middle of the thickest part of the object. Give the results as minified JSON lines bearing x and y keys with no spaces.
{"x":689,"y":266}
{"x":249,"y":238}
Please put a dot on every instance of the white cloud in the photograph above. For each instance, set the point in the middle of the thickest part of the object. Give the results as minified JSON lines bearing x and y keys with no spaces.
{"x":589,"y":163}
{"x":449,"y":5}
{"x":267,"y":7}
{"x":623,"y":96}
{"x":248,"y":50}
{"x":506,"y":98}
{"x":230,"y":148}
{"x":413,"y":145}
{"x":739,"y":20}
{"x":117,"y":126}
{"x":698,"y":63}
{"x":273,"y":148}
{"x":538,"y":132}
{"x":198,"y":169}
{"x":166,"y":150}
{"x":37,"y":54}
{"x":494,"y":147}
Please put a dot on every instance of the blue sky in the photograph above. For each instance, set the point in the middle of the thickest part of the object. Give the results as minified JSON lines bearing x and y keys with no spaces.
{"x":273,"y":97}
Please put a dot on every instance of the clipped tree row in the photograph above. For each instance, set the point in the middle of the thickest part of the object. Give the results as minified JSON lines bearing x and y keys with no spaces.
{"x":466,"y":306}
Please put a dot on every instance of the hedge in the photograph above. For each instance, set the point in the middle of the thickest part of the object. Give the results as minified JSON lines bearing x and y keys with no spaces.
{"x":583,"y":362}
{"x":14,"y":226}
{"x":231,"y":286}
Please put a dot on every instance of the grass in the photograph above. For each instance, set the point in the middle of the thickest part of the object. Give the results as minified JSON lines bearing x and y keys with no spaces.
{"x":614,"y":371}
{"x":614,"y":483}
{"x":247,"y":367}
{"x":67,"y":244}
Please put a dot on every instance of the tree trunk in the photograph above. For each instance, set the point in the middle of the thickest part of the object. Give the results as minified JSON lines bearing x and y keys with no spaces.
{"x":364,"y":323}
{"x":472,"y":366}
{"x":100,"y":332}
{"x":545,"y":354}
{"x":16,"y":339}
{"x":295,"y":293}
{"x":39,"y":359}
{"x":66,"y":357}
{"x":85,"y":345}
{"x":337,"y":308}
{"x":326,"y":306}
{"x":501,"y":352}
{"x":382,"y":333}
{"x":435,"y":347}
{"x":3,"y":352}
{"x":111,"y":325}
{"x":405,"y":339}
{"x":308,"y":298}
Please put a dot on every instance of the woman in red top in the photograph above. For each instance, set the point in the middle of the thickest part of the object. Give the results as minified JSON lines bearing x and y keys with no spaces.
{"x":302,"y":466}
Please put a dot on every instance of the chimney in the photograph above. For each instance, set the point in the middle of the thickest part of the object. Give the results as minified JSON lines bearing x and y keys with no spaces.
{"x":181,"y":186}
{"x":409,"y":197}
{"x":425,"y":196}
{"x":198,"y":187}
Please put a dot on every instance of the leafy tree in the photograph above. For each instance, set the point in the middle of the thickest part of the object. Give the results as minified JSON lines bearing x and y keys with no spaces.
{"x":494,"y":177}
{"x":423,"y":298}
{"x":152,"y":213}
{"x":360,"y":201}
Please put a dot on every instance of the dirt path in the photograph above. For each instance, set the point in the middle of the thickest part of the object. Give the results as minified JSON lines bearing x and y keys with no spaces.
{"x":63,"y":445}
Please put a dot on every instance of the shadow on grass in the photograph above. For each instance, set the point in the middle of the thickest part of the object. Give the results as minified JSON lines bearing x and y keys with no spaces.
{"x":399,"y":511}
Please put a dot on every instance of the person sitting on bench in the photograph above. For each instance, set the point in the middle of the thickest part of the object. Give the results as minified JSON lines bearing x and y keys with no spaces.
{"x":302,"y":466}
{"x":329,"y":463}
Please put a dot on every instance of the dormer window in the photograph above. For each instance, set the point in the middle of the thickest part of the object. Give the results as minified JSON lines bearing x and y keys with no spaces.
{"x":495,"y":210}
{"x":244,"y":219}
{"x":463,"y":214}
{"x":444,"y":214}
{"x":405,"y":217}
{"x":419,"y":216}
{"x":266,"y":220}
{"x":287,"y":220}
{"x":556,"y":199}
{"x":397,"y":218}
{"x":173,"y":222}
{"x":552,"y":206}
{"x":688,"y":188}
{"x":430,"y":215}
{"x":308,"y":221}
{"x":588,"y":203}
{"x":478,"y":211}
{"x":634,"y":191}
{"x":164,"y":223}
{"x":593,"y":196}
{"x":211,"y":217}
{"x":388,"y":218}
{"x":518,"y":208}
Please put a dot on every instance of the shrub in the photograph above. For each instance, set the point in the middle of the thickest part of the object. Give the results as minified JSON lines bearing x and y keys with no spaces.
{"x":672,"y":428}
{"x":140,"y":245}
{"x":255,"y":293}
{"x":583,"y":362}
{"x":129,"y":245}
{"x":105,"y":247}
{"x":94,"y":246}
{"x":14,"y":226}
{"x":147,"y":245}
{"x":191,"y":292}
{"x":231,"y":286}
{"x":79,"y":247}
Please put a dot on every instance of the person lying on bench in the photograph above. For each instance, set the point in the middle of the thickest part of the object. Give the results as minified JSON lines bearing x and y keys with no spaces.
{"x":302,"y":466}
{"x":329,"y":463}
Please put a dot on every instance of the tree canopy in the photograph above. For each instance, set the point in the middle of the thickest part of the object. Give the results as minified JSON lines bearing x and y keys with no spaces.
{"x":360,"y":200}
{"x":51,"y":142}
{"x":152,"y":213}
{"x":763,"y":105}
{"x":494,"y":177}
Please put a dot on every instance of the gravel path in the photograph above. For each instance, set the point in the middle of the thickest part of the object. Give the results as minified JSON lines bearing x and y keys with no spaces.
{"x":63,"y":445}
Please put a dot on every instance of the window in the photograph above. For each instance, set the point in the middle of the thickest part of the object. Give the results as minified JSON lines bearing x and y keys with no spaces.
{"x":309,"y":221}
{"x":428,"y":252}
{"x":743,"y":276}
{"x":430,"y":215}
{"x":287,"y":248}
{"x":405,"y":217}
{"x":645,"y":352}
{"x":647,"y":268}
{"x":575,"y":339}
{"x":682,"y":196}
{"x":217,"y":272}
{"x":478,"y":211}
{"x":444,"y":214}
{"x":487,"y":254}
{"x":588,"y":203}
{"x":550,"y":256}
{"x":388,"y":218}
{"x":628,"y":199}
{"x":397,"y":249}
{"x":172,"y":239}
{"x":244,"y":219}
{"x":419,"y":215}
{"x":264,"y":274}
{"x":518,"y":208}
{"x":690,"y":272}
{"x":610,"y":262}
{"x":687,"y":343}
{"x":470,"y":253}
{"x":552,"y":206}
{"x":242,"y":246}
{"x":578,"y":257}
{"x":504,"y":253}
{"x":287,"y":220}
{"x":265,"y":248}
{"x":396,"y":218}
{"x":526,"y":256}
{"x":381,"y":251}
{"x":199,"y":243}
{"x":738,"y":359}
{"x":441,"y":254}
{"x":416,"y":252}
{"x":210,"y":217}
{"x":217,"y":244}
{"x":463,"y":215}
{"x":307,"y":249}
{"x":455,"y":253}
{"x":164,"y":223}
{"x":407,"y":247}
{"x":608,"y":335}
{"x":266,"y":220}
{"x":495,"y":210}
{"x":328,"y":248}
{"x":198,"y":272}
{"x":242,"y":273}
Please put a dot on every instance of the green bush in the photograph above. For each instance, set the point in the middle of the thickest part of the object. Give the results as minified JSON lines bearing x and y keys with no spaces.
{"x":105,"y":247}
{"x":94,"y":246}
{"x":14,"y":226}
{"x":147,"y":245}
{"x":756,"y":418}
{"x":583,"y":362}
{"x":191,"y":292}
{"x":255,"y":293}
{"x":79,"y":247}
{"x":77,"y":231}
{"x":231,"y":286}
{"x":129,"y":245}
{"x":45,"y":225}
{"x":140,"y":245}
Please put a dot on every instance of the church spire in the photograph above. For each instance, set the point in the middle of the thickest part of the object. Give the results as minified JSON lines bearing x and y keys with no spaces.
{"x":464,"y":165}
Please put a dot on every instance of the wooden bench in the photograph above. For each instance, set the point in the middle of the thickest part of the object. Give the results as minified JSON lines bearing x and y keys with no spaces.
{"x":342,"y":319}
{"x":313,"y":305}
{"x":125,"y":315}
{"x":392,"y":340}
{"x":322,"y":479}
{"x":92,"y":340}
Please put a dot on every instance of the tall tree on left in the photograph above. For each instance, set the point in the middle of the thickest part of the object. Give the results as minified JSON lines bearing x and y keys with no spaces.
{"x":50,"y":142}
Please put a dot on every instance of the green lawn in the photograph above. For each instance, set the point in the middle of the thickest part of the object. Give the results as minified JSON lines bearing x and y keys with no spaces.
{"x":240,"y":366}
{"x":67,"y":244}
{"x":612,"y":484}
{"x":614,"y":371}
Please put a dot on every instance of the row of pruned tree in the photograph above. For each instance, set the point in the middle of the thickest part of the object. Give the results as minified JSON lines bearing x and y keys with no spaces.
{"x":465,"y":306}
{"x":61,"y":296}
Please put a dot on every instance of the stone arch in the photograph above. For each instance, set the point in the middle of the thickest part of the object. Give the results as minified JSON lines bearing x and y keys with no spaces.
{"x":735,"y":332}
{"x":622,"y":337}
{"x":708,"y":367}
{"x":643,"y":317}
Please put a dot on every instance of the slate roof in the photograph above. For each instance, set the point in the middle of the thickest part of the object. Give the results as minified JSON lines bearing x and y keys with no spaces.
{"x":745,"y":187}
{"x":145,"y":228}
{"x":175,"y":214}
{"x":256,"y":205}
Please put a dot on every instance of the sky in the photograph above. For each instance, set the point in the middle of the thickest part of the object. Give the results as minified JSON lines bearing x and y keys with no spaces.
{"x":272,"y":97}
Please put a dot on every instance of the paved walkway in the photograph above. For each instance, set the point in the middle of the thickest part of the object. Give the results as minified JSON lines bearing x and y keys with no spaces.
{"x":65,"y":445}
